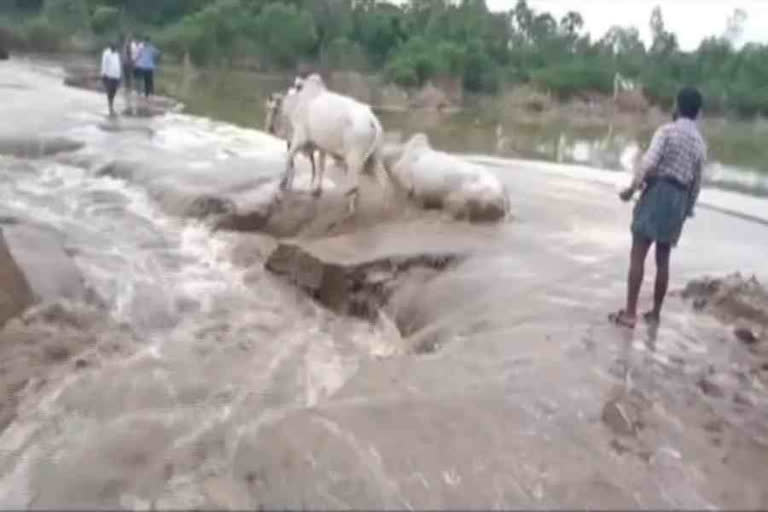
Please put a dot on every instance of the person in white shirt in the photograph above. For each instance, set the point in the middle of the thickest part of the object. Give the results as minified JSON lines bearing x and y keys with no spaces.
{"x":111,"y":70}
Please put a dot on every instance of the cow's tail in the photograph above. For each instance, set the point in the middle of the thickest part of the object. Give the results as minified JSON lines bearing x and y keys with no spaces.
{"x":376,"y":158}
{"x":373,"y":157}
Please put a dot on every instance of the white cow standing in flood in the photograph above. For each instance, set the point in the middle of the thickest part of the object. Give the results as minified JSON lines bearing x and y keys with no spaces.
{"x":440,"y":180}
{"x":335,"y":125}
{"x":277,"y":123}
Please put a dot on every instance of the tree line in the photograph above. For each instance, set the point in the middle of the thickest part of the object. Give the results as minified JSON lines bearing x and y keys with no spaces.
{"x":412,"y":42}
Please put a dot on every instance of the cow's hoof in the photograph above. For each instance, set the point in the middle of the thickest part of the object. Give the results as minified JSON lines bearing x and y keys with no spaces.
{"x":317,"y":192}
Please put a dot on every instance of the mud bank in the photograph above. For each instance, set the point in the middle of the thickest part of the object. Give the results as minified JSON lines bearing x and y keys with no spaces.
{"x":37,"y":269}
{"x":359,"y":272}
{"x":733,"y":299}
{"x":739,"y":302}
{"x":15,"y":293}
{"x":48,"y":317}
{"x":41,"y":254}
{"x":49,"y":342}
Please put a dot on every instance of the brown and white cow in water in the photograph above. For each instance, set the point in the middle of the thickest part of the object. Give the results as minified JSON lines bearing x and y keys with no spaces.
{"x":334,"y":125}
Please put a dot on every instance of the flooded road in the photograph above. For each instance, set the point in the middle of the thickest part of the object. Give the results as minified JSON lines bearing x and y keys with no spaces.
{"x":238,"y":391}
{"x":492,"y":126}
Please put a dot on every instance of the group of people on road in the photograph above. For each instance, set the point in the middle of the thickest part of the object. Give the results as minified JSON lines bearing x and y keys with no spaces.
{"x":134,"y":64}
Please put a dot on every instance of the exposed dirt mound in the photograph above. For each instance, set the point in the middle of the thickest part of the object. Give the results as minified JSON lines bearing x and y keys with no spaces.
{"x":360,"y":287}
{"x":632,"y":101}
{"x":359,"y":273}
{"x":431,"y":98}
{"x":15,"y":293}
{"x":526,"y":99}
{"x":733,"y":299}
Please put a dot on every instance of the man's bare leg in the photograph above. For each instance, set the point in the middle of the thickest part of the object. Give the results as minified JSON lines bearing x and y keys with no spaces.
{"x":640,"y":246}
{"x":663,"y":252}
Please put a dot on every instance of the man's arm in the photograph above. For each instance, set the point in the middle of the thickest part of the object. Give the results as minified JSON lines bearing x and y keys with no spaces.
{"x":652,"y":157}
{"x":650,"y":161}
{"x":695,"y":186}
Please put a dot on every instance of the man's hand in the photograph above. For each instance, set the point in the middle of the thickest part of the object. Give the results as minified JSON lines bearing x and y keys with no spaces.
{"x":627,"y":193}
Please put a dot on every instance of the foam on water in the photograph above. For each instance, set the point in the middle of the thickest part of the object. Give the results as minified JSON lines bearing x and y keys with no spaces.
{"x":211,"y":346}
{"x":178,"y":132}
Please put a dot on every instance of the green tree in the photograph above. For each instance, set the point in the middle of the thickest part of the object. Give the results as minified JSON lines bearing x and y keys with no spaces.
{"x":67,"y":14}
{"x":288,"y":34}
{"x":105,"y":19}
{"x":664,"y":43}
{"x":413,"y":41}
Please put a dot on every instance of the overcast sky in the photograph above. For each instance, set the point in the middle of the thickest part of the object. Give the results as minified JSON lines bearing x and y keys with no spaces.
{"x":691,"y":20}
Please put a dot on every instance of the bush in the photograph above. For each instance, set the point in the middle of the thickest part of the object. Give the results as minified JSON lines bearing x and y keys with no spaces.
{"x":9,"y":36}
{"x":414,"y":63}
{"x":748,"y":100}
{"x":660,"y":89}
{"x":67,"y":14}
{"x":567,"y":79}
{"x":288,"y":34}
{"x":344,"y":54}
{"x":209,"y":35}
{"x":105,"y":19}
{"x":189,"y":37}
{"x":481,"y":73}
{"x":402,"y":72}
{"x":40,"y":35}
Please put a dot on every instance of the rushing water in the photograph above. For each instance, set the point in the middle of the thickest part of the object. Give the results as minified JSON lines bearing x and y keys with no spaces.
{"x":198,"y":323}
{"x":241,"y":392}
{"x":197,"y":317}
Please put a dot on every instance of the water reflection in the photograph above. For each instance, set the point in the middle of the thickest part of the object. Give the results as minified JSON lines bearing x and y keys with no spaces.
{"x":610,"y":149}
{"x":736,"y":147}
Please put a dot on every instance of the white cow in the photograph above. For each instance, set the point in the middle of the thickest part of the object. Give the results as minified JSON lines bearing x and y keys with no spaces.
{"x":440,"y":180}
{"x":336,"y":125}
{"x":277,"y":123}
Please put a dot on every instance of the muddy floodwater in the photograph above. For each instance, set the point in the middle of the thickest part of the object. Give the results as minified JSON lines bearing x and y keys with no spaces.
{"x":164,"y":366}
{"x":489,"y":125}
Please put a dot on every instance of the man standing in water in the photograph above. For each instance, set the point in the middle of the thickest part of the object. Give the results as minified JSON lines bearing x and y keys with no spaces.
{"x":110,"y":74}
{"x":670,"y":177}
{"x":145,"y":65}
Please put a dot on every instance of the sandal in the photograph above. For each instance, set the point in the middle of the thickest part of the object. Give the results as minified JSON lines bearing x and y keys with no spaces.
{"x":621,"y":319}
{"x":651,"y":318}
